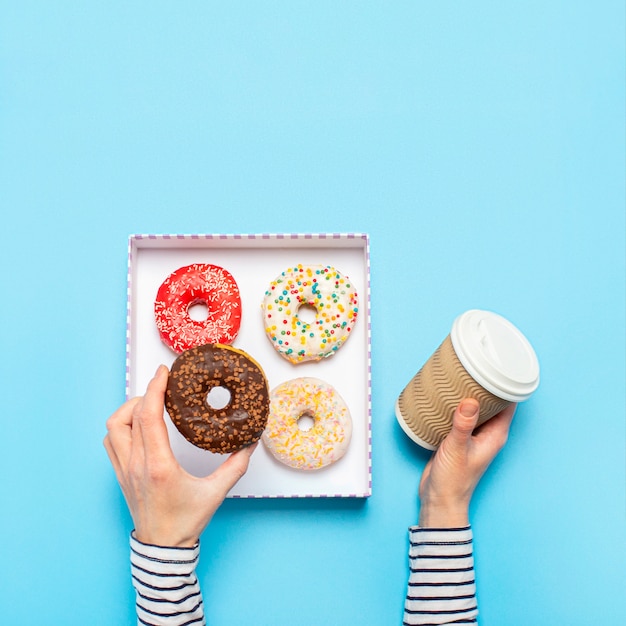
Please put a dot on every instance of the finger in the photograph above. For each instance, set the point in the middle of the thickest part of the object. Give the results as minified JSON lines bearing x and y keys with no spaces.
{"x":115,"y":461}
{"x":226,"y":476}
{"x":120,"y":472}
{"x":110,"y":450}
{"x":122,"y":416}
{"x":149,"y":416}
{"x":464,"y":421}
{"x":118,"y":440}
{"x":495,"y":431}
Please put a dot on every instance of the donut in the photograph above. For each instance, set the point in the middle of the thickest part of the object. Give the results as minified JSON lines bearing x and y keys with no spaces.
{"x":193,"y":375}
{"x":195,"y":284}
{"x":328,"y":438}
{"x":323,"y":288}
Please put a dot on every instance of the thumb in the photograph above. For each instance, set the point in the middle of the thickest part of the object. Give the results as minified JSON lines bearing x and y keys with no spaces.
{"x":464,"y":420}
{"x":226,"y":476}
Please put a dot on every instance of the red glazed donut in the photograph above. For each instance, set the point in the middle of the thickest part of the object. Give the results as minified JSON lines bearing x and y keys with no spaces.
{"x":195,"y":284}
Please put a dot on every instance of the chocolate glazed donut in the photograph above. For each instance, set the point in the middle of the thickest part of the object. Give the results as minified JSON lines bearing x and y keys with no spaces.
{"x":194,"y":374}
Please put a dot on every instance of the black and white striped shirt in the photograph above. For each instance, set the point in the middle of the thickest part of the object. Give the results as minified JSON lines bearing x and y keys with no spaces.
{"x":441,"y":588}
{"x":168,"y":593}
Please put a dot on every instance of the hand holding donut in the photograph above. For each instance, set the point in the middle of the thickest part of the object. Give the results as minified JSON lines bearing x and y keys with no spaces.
{"x":451,"y":475}
{"x":169,"y":506}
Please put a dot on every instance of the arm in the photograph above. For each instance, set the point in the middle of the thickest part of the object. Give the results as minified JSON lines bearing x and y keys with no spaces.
{"x":170,"y":508}
{"x":441,"y":588}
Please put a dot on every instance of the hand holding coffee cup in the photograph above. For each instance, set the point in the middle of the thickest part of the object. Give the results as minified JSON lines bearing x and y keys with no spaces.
{"x":484,"y":357}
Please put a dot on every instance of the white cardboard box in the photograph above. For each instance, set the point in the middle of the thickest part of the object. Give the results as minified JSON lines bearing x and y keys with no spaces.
{"x":254,"y":261}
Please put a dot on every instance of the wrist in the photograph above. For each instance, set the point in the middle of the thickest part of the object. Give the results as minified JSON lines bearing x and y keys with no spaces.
{"x":439,"y":515}
{"x":164,"y":538}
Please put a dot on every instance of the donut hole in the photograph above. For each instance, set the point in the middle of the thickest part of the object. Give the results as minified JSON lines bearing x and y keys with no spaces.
{"x":307,"y":313}
{"x":218,"y":398}
{"x":306,"y":421}
{"x":198,"y":311}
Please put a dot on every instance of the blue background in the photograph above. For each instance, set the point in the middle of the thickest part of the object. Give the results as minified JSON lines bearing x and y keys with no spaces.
{"x":480,"y":144}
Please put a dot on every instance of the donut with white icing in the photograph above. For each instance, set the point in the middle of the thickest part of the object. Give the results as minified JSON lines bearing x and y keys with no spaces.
{"x":196,"y":284}
{"x":329,"y":436}
{"x":320,"y":287}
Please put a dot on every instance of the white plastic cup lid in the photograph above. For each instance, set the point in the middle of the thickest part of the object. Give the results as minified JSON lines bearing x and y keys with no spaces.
{"x":495,"y":354}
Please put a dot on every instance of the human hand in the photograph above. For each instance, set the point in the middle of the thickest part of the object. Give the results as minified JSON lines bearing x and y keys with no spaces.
{"x":169,"y":506}
{"x":451,"y":475}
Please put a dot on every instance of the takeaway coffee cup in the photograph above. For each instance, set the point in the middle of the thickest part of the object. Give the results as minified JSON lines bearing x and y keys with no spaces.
{"x":484,"y":357}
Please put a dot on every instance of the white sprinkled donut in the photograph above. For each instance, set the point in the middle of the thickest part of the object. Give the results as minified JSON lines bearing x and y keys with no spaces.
{"x":325,"y":442}
{"x":193,"y":284}
{"x":322,"y":287}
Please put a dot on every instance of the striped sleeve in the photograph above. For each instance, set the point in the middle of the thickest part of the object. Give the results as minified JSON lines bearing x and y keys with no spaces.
{"x":166,"y":586}
{"x":441,"y":587}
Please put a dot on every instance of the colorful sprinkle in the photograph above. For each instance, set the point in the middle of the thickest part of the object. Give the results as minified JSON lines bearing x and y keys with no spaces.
{"x":325,"y":442}
{"x":326,"y":290}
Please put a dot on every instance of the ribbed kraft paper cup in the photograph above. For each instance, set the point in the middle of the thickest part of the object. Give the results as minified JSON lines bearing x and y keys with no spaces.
{"x":484,"y":357}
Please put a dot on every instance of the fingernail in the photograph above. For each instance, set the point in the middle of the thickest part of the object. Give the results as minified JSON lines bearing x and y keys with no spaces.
{"x":468,"y":408}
